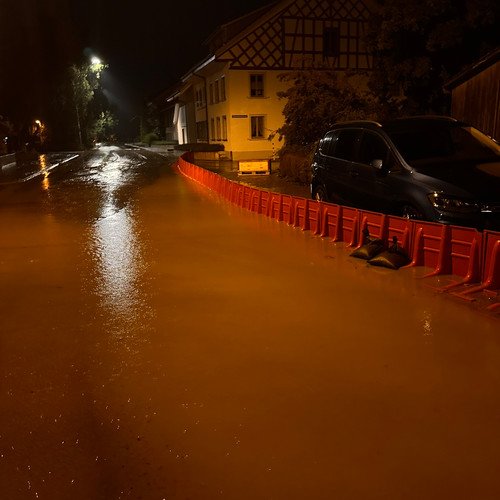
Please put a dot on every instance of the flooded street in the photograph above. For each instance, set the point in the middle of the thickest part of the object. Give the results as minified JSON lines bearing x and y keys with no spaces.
{"x":159,"y":343}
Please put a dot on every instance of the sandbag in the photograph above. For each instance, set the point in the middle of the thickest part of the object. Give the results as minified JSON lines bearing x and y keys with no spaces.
{"x":370,"y":248}
{"x":393,"y":258}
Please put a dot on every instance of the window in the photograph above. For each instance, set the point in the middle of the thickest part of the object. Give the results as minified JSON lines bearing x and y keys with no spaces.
{"x":201,"y":131}
{"x":212,"y":129}
{"x":346,"y":145}
{"x":199,"y":98}
{"x":224,"y":128}
{"x":256,"y":85}
{"x":218,"y":128}
{"x":327,"y":144}
{"x":223,"y":88}
{"x":372,"y":148}
{"x":257,"y":127}
{"x":211,"y":91}
{"x":216,"y":90}
{"x":331,"y":42}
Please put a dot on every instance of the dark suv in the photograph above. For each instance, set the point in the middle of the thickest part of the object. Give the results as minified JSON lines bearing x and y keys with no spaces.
{"x":429,"y":168}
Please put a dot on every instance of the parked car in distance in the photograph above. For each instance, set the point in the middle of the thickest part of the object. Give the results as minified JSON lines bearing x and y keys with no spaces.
{"x":430,"y":168}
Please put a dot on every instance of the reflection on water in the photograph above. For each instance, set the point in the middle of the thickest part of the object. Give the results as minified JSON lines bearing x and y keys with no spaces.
{"x":44,"y":169}
{"x":116,"y":248}
{"x":427,"y":325}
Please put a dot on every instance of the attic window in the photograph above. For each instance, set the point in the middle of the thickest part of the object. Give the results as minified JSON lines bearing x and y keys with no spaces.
{"x":331,"y":42}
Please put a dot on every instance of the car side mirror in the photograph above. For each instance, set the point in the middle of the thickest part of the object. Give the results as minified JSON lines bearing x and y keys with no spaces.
{"x":377,"y":164}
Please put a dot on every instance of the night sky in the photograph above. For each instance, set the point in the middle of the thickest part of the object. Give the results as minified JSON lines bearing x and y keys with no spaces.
{"x":147,"y":45}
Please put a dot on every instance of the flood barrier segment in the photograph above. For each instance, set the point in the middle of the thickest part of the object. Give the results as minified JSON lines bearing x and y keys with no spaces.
{"x":448,"y":250}
{"x":463,"y":257}
{"x":330,"y":220}
{"x":314,"y":216}
{"x":265,"y":200}
{"x":348,"y":228}
{"x":375,"y":225}
{"x":490,"y":279}
{"x":281,"y":207}
{"x":460,"y":251}
{"x":428,"y":245}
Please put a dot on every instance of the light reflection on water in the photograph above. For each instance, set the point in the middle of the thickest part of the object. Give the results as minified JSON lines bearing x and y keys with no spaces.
{"x":116,"y":250}
{"x":44,"y":168}
{"x":427,"y":326}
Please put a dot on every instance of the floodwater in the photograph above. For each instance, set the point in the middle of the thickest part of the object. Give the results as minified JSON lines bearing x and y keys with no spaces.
{"x":158,"y":343}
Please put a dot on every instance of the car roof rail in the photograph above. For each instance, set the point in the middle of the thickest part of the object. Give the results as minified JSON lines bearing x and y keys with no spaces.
{"x":443,"y":118}
{"x":358,"y":122}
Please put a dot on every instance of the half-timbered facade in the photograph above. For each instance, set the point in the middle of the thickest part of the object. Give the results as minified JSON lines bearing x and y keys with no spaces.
{"x":235,"y":88}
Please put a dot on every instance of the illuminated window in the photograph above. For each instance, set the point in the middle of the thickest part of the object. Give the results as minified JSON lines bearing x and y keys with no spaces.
{"x":224,"y":128}
{"x":257,"y":85}
{"x":223,"y":88}
{"x":257,"y":127}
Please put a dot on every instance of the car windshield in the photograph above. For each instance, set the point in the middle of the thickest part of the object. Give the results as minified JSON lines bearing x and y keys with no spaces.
{"x":438,"y":142}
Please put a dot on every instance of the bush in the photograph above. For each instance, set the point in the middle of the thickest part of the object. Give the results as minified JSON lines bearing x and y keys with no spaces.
{"x":317,"y":99}
{"x":149,"y":138}
{"x":295,"y":163}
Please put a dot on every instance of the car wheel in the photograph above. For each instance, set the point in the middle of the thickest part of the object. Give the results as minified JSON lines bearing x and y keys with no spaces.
{"x":320,"y":194}
{"x":410,"y":212}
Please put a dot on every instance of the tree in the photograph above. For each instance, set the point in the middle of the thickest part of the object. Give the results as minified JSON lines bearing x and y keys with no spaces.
{"x":419,"y":44}
{"x":81,"y":103}
{"x":150,"y":123}
{"x":317,"y":99}
{"x":82,"y":88}
{"x":103,"y":126}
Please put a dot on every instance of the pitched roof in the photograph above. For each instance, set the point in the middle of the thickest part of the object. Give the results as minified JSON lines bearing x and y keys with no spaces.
{"x":226,"y":31}
{"x":229,"y":34}
{"x":472,"y":70}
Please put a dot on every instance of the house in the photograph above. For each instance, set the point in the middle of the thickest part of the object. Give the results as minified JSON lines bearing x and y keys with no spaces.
{"x":166,"y":106}
{"x":475,"y":94}
{"x":230,"y":97}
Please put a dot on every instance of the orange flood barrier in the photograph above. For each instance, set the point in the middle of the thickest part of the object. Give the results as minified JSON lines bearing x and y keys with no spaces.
{"x":490,"y":280}
{"x":281,"y":207}
{"x":447,"y":250}
{"x":307,"y":214}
